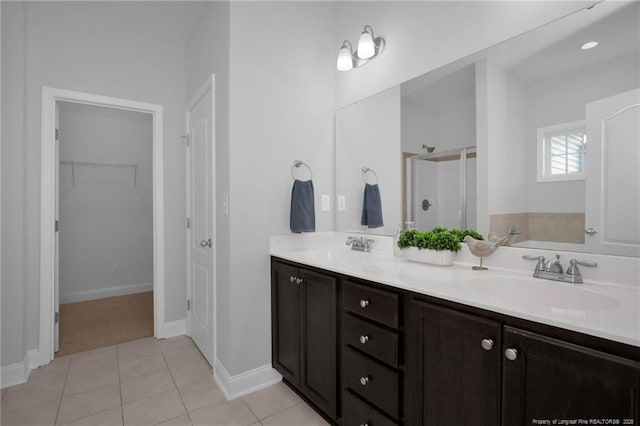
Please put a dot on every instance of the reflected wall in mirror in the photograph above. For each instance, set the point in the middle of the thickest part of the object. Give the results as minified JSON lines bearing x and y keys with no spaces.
{"x":555,"y":128}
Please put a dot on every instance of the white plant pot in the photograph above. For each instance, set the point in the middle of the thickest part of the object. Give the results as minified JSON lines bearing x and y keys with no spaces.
{"x":432,"y":257}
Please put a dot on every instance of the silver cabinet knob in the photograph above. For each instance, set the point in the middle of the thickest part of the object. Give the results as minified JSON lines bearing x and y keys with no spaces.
{"x":364,"y":339}
{"x":487,"y":344}
{"x":205,"y":243}
{"x":364,"y":303}
{"x":591,"y":231}
{"x":292,"y":278}
{"x":299,"y":280}
{"x":364,"y":380}
{"x":364,"y":424}
{"x":511,"y":354}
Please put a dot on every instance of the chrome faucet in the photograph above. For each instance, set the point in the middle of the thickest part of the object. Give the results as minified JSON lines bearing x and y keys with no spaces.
{"x":359,"y":244}
{"x":552,"y":270}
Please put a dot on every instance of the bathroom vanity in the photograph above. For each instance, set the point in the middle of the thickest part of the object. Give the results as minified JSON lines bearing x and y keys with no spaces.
{"x":371,"y":339}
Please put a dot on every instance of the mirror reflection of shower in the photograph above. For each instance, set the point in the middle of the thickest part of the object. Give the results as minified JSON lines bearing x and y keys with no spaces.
{"x":442,"y":189}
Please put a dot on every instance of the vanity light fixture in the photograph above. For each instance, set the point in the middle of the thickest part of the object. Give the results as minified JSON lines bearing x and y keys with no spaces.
{"x":369,"y":47}
{"x":589,"y":45}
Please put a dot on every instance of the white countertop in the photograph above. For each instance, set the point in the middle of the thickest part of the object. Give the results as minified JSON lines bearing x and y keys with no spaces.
{"x":607,"y":310}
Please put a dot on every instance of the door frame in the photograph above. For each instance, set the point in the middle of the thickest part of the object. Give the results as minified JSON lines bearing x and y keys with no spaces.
{"x":208,"y":85}
{"x":49,"y":98}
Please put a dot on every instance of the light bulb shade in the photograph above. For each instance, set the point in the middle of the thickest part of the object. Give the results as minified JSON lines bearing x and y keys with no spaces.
{"x":345,"y":58}
{"x":366,"y":46}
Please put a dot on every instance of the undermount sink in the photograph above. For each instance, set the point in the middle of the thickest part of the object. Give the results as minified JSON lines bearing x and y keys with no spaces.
{"x":542,"y":293}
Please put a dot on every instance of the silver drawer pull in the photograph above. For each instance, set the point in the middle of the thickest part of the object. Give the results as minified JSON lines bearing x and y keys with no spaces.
{"x":364,"y":339}
{"x":364,"y":303}
{"x":487,"y":344}
{"x":511,"y":354}
{"x":364,"y":380}
{"x":364,"y":424}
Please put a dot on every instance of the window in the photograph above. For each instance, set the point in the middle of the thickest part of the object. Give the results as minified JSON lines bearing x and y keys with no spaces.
{"x":562,"y":152}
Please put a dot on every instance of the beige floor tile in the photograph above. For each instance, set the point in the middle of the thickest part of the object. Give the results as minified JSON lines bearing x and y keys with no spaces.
{"x":192,"y":376}
{"x":31,"y":394}
{"x":197,"y":398}
{"x":298,"y":415}
{"x":137,"y":349}
{"x":82,"y":380}
{"x":88,"y":403}
{"x":94,"y":359}
{"x":43,"y":414}
{"x":154,"y":410}
{"x":141,"y":366}
{"x":184,"y":355}
{"x":175,"y":342}
{"x":234,"y":413}
{"x":272,"y":400}
{"x":183,"y":420}
{"x":143,"y":387}
{"x":111,"y":417}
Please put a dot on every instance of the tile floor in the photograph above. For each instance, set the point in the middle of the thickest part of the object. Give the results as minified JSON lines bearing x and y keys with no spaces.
{"x":144,"y":382}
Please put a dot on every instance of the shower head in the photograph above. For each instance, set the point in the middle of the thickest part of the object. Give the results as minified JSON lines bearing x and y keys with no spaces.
{"x":428,"y":148}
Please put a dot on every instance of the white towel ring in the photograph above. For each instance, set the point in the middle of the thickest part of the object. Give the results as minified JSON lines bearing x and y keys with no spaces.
{"x":366,"y":170}
{"x":297,"y":164}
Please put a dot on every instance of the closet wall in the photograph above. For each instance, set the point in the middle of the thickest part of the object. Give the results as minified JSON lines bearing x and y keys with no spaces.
{"x":106,"y":204}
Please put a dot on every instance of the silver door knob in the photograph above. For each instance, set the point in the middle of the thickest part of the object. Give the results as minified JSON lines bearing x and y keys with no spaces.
{"x":487,"y":344}
{"x":591,"y":231}
{"x":364,"y":339}
{"x":205,"y":243}
{"x":364,"y":303}
{"x":364,"y":380}
{"x":511,"y":354}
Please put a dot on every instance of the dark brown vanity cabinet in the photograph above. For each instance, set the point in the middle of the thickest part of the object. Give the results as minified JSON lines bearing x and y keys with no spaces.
{"x":371,"y":374}
{"x":551,"y":379}
{"x":453,"y":367}
{"x":463,"y":369}
{"x":304,"y":332}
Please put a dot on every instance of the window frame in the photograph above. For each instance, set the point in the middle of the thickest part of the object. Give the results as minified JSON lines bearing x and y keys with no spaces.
{"x":543,"y":147}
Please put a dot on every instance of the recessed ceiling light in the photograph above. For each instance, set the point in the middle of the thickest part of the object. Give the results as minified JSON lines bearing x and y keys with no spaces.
{"x":589,"y":45}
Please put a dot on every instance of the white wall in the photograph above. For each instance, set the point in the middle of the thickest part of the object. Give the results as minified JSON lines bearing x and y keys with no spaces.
{"x":419,"y":127}
{"x":501,"y":106}
{"x":106,"y":213}
{"x":127,"y":50}
{"x":368,"y":134}
{"x":207,"y":52}
{"x":281,"y":104}
{"x":423,"y":36}
{"x":561,"y":99}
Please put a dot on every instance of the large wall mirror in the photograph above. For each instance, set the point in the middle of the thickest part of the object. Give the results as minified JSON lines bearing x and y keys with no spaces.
{"x":536,"y":138}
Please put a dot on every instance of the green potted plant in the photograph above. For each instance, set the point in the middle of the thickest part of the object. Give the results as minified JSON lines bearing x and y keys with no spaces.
{"x":436,"y":246}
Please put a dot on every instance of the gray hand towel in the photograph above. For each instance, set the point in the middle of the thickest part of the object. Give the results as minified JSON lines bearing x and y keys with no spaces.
{"x":372,"y":207}
{"x":303,"y":215}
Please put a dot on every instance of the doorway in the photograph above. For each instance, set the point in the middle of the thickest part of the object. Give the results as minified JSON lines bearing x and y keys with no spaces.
{"x":50,"y":195}
{"x":105,"y":226}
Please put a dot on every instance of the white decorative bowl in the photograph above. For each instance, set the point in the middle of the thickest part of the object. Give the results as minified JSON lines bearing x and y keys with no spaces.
{"x":432,"y":257}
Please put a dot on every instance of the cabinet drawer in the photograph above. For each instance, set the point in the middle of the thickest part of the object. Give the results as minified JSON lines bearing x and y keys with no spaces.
{"x":371,"y":380}
{"x":358,"y":413}
{"x":369,"y":338}
{"x":369,"y":302}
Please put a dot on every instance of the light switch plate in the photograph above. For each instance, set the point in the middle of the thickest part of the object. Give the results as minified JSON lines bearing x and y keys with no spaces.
{"x":342,"y":203}
{"x":326,"y":203}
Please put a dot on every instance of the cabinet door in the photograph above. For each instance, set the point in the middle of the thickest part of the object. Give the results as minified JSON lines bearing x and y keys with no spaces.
{"x":452,"y":379}
{"x":551,"y":379}
{"x":319,"y":335}
{"x":285,"y":321}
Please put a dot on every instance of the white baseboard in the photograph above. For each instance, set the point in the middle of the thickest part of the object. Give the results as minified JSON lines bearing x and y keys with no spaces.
{"x":175,"y":328}
{"x":18,"y":373}
{"x":244,"y":383}
{"x":101,"y":293}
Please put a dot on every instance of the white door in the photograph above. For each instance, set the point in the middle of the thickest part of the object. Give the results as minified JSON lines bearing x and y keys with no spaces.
{"x":613,"y":177}
{"x":201,"y":220}
{"x":56,"y":278}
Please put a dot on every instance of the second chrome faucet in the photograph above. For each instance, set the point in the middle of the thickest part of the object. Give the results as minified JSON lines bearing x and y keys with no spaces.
{"x":553,"y":270}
